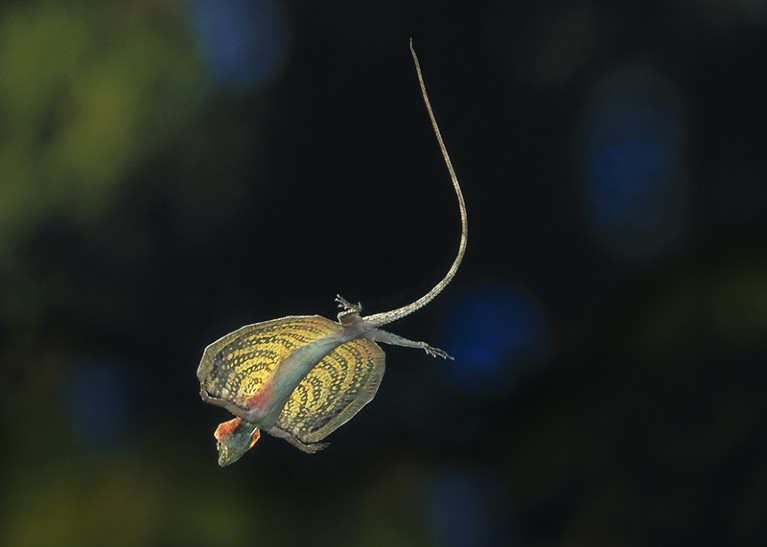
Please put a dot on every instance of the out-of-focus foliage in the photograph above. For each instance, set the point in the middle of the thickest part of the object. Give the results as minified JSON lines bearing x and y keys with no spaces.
{"x":88,"y":89}
{"x":171,"y":170}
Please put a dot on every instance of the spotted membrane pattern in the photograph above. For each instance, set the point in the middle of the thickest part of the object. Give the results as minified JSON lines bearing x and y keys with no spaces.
{"x":237,"y":368}
{"x":301,"y":377}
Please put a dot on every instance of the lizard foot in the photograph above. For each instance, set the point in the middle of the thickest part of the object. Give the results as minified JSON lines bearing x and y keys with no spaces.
{"x":348,"y":306}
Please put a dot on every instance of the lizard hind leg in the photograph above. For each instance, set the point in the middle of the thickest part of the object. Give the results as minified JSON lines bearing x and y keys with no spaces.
{"x":346,"y":305}
{"x":349,"y":313}
{"x":378,"y":335}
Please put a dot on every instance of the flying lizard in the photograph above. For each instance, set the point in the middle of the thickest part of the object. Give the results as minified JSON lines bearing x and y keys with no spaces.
{"x":301,"y":377}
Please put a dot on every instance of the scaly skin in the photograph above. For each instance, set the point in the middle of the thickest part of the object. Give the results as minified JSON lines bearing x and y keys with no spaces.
{"x":269,"y":376}
{"x":301,"y":377}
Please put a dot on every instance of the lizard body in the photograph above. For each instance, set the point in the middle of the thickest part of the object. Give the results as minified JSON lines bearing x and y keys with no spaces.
{"x":302,"y":377}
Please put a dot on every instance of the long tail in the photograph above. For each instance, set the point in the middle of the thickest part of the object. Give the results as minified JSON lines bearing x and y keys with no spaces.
{"x":383,"y":318}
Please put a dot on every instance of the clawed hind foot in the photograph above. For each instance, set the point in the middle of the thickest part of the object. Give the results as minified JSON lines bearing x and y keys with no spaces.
{"x":435,"y":352}
{"x":379,"y":335}
{"x":348,"y":306}
{"x":350,"y":312}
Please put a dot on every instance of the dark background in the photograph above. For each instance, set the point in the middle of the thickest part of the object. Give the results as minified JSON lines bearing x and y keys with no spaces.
{"x":170,"y":171}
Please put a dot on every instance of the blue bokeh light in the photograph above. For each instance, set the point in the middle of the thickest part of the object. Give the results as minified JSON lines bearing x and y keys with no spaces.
{"x":244,"y":42}
{"x":100,"y":405}
{"x":496,"y":334}
{"x":631,"y":150}
{"x":466,"y":508}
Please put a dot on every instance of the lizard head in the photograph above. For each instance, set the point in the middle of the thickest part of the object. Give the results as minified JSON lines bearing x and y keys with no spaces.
{"x":235,"y":437}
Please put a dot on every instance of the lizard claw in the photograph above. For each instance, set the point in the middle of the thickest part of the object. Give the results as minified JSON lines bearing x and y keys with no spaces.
{"x":346,"y":305}
{"x":436,"y":352}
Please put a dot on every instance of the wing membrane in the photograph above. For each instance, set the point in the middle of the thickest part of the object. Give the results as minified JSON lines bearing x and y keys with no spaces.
{"x":334,"y":391}
{"x":234,"y":367}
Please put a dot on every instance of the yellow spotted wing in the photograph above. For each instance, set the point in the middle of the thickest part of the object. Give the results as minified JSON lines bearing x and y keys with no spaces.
{"x":235,"y":367}
{"x":334,"y":391}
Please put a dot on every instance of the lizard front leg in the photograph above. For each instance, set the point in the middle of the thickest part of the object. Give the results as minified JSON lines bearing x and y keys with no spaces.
{"x":308,"y":448}
{"x":252,"y":415}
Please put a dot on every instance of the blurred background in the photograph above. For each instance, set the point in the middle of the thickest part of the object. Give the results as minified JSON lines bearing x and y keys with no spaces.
{"x":171,"y":170}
